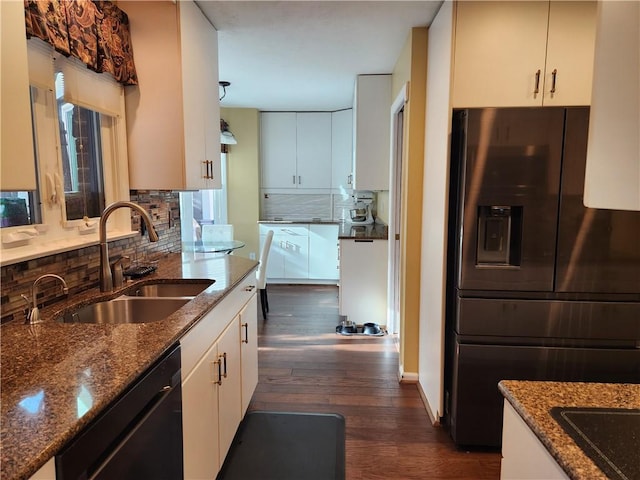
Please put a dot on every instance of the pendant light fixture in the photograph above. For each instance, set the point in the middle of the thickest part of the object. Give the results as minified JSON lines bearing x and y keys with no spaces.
{"x":226,"y":137}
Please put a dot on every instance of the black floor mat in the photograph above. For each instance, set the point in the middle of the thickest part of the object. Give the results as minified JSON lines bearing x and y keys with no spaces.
{"x":274,"y":445}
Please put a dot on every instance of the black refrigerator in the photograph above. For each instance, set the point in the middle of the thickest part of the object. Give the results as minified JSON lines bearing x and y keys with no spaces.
{"x":539,"y":287}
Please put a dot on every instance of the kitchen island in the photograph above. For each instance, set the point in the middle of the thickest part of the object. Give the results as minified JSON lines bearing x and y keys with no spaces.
{"x":58,"y":377}
{"x":537,"y":403}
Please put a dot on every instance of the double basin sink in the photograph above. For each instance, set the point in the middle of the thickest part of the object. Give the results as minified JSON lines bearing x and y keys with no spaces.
{"x":139,"y":304}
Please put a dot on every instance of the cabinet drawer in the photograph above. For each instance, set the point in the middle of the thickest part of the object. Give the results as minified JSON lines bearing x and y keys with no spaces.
{"x":297,"y":231}
{"x":197,"y":341}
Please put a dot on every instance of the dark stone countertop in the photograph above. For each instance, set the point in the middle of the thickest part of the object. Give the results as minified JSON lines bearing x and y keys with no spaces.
{"x":376,"y":231}
{"x":45,"y":367}
{"x":534,"y":400}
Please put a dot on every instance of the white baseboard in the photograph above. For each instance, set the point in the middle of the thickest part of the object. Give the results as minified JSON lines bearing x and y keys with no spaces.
{"x":407,"y":377}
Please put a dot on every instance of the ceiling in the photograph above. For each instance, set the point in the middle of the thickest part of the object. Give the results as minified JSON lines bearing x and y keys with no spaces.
{"x":305,"y":55}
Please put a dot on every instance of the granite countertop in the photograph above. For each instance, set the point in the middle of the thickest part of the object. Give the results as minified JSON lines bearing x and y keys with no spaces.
{"x":533,"y":401}
{"x":376,"y":231}
{"x":302,"y":221}
{"x":50,"y":369}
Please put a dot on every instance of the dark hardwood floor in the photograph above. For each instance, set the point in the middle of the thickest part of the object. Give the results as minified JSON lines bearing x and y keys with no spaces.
{"x":305,"y":367}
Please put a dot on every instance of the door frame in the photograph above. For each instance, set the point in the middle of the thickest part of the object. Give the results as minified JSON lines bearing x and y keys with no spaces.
{"x":395,"y":210}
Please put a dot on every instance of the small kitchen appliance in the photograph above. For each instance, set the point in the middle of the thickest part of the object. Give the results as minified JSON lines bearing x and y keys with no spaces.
{"x":361,"y":213}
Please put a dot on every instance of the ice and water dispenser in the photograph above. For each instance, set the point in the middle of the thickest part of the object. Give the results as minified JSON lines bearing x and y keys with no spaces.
{"x":499,"y":236}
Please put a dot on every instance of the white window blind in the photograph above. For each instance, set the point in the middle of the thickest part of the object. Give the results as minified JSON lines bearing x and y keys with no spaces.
{"x":41,"y":73}
{"x":96,"y":91}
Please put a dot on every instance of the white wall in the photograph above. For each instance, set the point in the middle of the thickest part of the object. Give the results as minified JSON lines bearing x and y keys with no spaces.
{"x":434,"y":211}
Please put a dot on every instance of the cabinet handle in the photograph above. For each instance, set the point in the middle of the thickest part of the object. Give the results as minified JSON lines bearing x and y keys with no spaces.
{"x":536,"y":90}
{"x":294,"y":179}
{"x":349,"y":179}
{"x":299,"y":180}
{"x":246,"y":332}
{"x":553,"y":80}
{"x":219,"y":364}
{"x":224,"y":359}
{"x":249,"y":288}
{"x":208,"y":169}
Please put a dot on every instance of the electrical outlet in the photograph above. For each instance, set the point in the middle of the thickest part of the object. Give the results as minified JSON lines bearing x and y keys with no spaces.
{"x":252,"y":255}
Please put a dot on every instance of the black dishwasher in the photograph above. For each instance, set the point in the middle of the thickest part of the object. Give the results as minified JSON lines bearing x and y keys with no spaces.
{"x":139,"y":436}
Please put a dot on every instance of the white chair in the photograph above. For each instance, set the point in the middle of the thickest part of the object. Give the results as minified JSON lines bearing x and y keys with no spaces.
{"x":216,"y":233}
{"x":261,"y":274}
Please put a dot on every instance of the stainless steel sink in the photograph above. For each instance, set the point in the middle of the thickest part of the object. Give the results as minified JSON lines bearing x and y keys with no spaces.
{"x":169,"y":289}
{"x":126,"y":310}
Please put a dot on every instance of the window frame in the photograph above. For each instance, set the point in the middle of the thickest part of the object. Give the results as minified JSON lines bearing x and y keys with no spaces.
{"x":56,"y":234}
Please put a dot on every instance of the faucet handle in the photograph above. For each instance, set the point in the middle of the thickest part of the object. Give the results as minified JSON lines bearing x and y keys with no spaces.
{"x":117,"y":271}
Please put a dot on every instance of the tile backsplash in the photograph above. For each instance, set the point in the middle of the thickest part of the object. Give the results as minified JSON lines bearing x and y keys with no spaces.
{"x":292,"y":206}
{"x":80,"y":267}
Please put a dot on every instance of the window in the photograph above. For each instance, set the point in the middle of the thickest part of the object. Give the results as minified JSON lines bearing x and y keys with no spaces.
{"x":20,"y":208}
{"x":79,"y":137}
{"x":81,"y":156}
{"x":203,"y":207}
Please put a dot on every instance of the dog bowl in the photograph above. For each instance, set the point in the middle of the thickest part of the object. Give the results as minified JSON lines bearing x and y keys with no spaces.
{"x":371,"y":329}
{"x":346,"y":329}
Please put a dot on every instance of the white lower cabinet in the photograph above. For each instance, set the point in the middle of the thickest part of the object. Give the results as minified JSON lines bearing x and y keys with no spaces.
{"x":249,"y":354}
{"x":46,"y":472}
{"x":213,"y":385}
{"x":200,"y":419}
{"x":523,"y":455}
{"x":363,"y":280}
{"x":306,"y":252}
{"x":323,"y":252}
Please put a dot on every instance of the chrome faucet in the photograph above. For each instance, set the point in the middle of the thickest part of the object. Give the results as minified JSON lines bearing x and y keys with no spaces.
{"x":106,"y":277}
{"x":34,"y":313}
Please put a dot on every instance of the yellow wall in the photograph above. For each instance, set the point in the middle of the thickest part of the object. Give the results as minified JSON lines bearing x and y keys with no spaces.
{"x":401,"y":75}
{"x":243,"y":177}
{"x":411,"y":67}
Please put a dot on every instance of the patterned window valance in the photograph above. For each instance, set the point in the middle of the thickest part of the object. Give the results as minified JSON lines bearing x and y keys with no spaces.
{"x":94,"y":31}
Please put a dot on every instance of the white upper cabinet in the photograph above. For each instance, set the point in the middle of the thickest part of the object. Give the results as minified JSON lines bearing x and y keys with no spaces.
{"x":612,"y":178}
{"x":371,"y":132}
{"x":278,"y":149}
{"x":17,"y":159}
{"x":173,"y":115}
{"x":342,"y":150}
{"x":295,"y":150}
{"x":509,"y":54}
{"x":313,"y":134}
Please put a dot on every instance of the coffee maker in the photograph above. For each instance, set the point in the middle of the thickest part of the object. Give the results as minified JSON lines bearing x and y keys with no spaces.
{"x":362,"y":211}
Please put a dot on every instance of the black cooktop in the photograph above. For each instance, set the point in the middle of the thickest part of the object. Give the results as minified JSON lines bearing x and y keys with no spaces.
{"x":609,"y":436}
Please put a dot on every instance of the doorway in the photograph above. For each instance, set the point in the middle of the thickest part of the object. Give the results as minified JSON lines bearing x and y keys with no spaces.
{"x":395,"y":219}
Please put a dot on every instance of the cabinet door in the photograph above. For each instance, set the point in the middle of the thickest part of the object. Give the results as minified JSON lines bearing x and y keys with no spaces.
{"x":275,"y":263}
{"x":499,"y":47}
{"x":249,"y":350}
{"x":173,"y":113}
{"x":313,"y":137}
{"x":570,"y":51}
{"x":371,"y":124}
{"x":199,"y":53}
{"x":296,"y":252}
{"x":342,"y":150}
{"x":17,"y":165}
{"x":229,"y":392}
{"x":200,"y":419}
{"x":363,"y":280}
{"x":323,"y":252}
{"x":278,"y":149}
{"x":612,"y":178}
